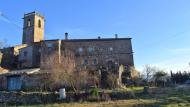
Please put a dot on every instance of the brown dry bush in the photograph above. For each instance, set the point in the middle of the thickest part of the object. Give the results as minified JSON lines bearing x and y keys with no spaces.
{"x":63,"y":72}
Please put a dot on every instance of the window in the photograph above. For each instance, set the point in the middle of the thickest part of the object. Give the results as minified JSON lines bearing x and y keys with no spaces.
{"x":85,"y":62}
{"x":94,"y":61}
{"x":80,"y":50}
{"x":28,"y":23}
{"x":111,"y":64}
{"x":91,"y":50}
{"x":39,"y":23}
{"x":25,"y":53}
{"x":39,"y":50}
{"x":110,"y":49}
{"x":49,"y":45}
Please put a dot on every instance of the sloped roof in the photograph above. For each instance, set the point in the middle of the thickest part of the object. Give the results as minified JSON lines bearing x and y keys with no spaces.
{"x":101,"y":39}
{"x":22,"y":71}
{"x":2,"y":70}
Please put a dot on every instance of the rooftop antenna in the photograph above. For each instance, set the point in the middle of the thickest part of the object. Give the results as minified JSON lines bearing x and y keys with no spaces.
{"x":66,"y":36}
{"x":116,"y":36}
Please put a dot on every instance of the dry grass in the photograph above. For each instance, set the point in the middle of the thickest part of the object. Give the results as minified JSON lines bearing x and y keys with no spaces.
{"x":118,"y":103}
{"x":163,"y":97}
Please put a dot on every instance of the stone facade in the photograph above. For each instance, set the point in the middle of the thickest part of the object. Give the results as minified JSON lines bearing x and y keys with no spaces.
{"x":33,"y":30}
{"x":50,"y":51}
{"x":29,"y":79}
{"x":87,"y":53}
{"x":29,"y":56}
{"x":91,"y":53}
{"x":3,"y":84}
{"x":1,"y":55}
{"x":10,"y":56}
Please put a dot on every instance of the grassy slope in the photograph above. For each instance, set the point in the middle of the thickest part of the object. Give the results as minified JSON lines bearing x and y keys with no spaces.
{"x":167,"y":97}
{"x":170,"y":97}
{"x":119,"y":103}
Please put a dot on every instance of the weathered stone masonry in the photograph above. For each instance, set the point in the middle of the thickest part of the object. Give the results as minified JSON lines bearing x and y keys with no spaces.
{"x":89,"y":53}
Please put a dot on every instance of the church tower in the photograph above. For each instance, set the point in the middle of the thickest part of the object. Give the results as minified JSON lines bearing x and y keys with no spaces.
{"x":33,"y":30}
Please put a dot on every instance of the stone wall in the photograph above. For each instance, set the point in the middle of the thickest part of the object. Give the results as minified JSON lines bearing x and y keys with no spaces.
{"x":32,"y":32}
{"x":3,"y":83}
{"x":34,"y":82}
{"x":90,"y":53}
{"x":27,"y":98}
{"x":100,"y":51}
{"x":49,"y":97}
{"x":29,"y":56}
{"x":10,"y":56}
{"x":1,"y":55}
{"x":25,"y":57}
{"x":50,"y":53}
{"x":29,"y":82}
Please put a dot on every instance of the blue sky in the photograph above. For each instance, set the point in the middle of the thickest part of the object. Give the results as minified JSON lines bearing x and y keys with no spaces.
{"x":160,"y":29}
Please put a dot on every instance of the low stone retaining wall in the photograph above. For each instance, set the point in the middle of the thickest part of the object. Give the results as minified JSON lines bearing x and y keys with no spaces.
{"x":27,"y":98}
{"x":44,"y":98}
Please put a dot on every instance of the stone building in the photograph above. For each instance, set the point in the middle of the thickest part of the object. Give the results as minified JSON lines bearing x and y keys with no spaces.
{"x":89,"y":53}
{"x":1,"y":55}
{"x":10,"y":56}
{"x":33,"y":28}
{"x":21,"y":79}
{"x":29,"y":56}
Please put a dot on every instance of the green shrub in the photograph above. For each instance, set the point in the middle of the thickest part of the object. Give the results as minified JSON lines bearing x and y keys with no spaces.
{"x":94,"y":92}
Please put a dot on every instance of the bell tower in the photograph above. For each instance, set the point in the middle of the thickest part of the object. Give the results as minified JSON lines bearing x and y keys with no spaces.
{"x":33,"y":28}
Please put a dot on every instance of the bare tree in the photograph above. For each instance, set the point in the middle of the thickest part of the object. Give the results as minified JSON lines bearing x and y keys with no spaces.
{"x":149,"y":71}
{"x":112,"y":80}
{"x":94,"y":77}
{"x":160,"y":77}
{"x":134,"y":73}
{"x":3,"y":44}
{"x":63,"y":73}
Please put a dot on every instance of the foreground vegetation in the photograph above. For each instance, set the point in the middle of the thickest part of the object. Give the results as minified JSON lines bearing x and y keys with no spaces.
{"x":173,"y":98}
{"x":162,"y":97}
{"x":119,"y":103}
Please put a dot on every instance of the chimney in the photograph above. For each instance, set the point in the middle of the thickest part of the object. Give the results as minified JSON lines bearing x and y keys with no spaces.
{"x":116,"y":36}
{"x":66,"y":36}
